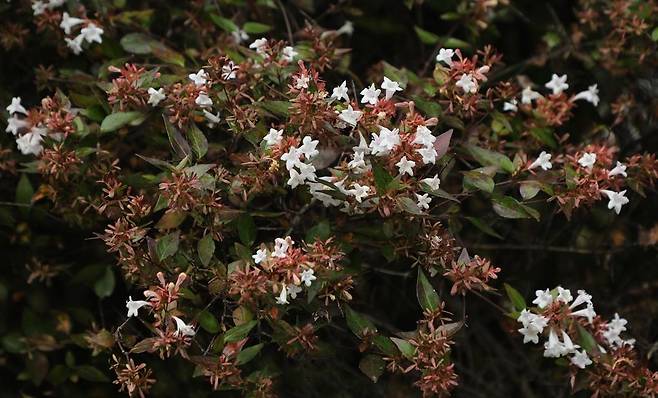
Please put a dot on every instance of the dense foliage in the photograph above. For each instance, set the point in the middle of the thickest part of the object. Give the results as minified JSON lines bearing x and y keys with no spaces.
{"x":283,"y":198}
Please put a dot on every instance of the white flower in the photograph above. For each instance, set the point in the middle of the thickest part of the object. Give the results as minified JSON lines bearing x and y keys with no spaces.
{"x":616,"y":199}
{"x":281,"y":246}
{"x":424,"y":136}
{"x":14,"y":124}
{"x":16,"y":107}
{"x":362,"y":147}
{"x":528,"y":95}
{"x":92,"y":33}
{"x":200,"y":78}
{"x":406,"y":166}
{"x":69,"y":22}
{"x":467,"y":83}
{"x":589,"y":95}
{"x":564,"y":295}
{"x":289,"y":53}
{"x":370,"y":95}
{"x":553,"y":347}
{"x":291,"y":157}
{"x":75,"y":44}
{"x":543,"y":161}
{"x":260,"y":256}
{"x":445,"y":55}
{"x":510,"y":106}
{"x":347,"y":28}
{"x":302,"y":82}
{"x":182,"y":328}
{"x":390,"y":87}
{"x":587,"y":160}
{"x":614,"y":328}
{"x":358,"y":162}
{"x":134,"y":306}
{"x":433,"y":182}
{"x":156,"y":96}
{"x":582,"y":297}
{"x":533,"y":324}
{"x":229,"y":70}
{"x":568,"y":346}
{"x":340,"y":92}
{"x":293,"y":290}
{"x":423,"y":201}
{"x":30,"y":142}
{"x":359,"y":191}
{"x":350,"y":116}
{"x":308,"y":276}
{"x":212,"y":119}
{"x":203,"y":100}
{"x":259,"y":45}
{"x":274,"y":137}
{"x":587,"y":312}
{"x":306,"y":171}
{"x":282,"y":299}
{"x":383,"y":143}
{"x":38,"y":7}
{"x":544,"y":298}
{"x":295,"y":179}
{"x":580,"y":359}
{"x":428,"y":154}
{"x":558,"y":83}
{"x":619,"y":169}
{"x":308,"y":147}
{"x":239,"y":35}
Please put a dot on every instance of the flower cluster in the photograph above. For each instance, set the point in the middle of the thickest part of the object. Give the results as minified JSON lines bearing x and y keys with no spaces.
{"x":593,"y":347}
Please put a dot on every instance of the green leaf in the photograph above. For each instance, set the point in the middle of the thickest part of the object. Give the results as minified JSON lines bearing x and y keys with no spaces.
{"x":167,"y":245}
{"x":239,"y":332}
{"x":90,"y":373}
{"x":385,"y":345}
{"x":478,"y":180}
{"x":654,"y":34}
{"x":115,"y":121}
{"x":206,"y":248}
{"x":529,"y":189}
{"x":226,"y":24}
{"x":479,"y":224}
{"x":277,"y":108}
{"x":453,"y":42}
{"x":586,"y":340}
{"x":357,"y":323}
{"x":105,"y":285}
{"x":425,"y":36}
{"x":408,"y":205}
{"x":428,"y":298}
{"x":208,"y":322}
{"x":372,"y":366}
{"x":24,"y":190}
{"x":544,"y":135}
{"x":320,"y":231}
{"x":382,"y":178}
{"x":508,"y":207}
{"x":405,"y":347}
{"x":515,"y":297}
{"x":487,"y":157}
{"x":139,"y":43}
{"x":246,"y":229}
{"x":198,"y":141}
{"x":256,"y":28}
{"x":248,"y":354}
{"x":178,"y":143}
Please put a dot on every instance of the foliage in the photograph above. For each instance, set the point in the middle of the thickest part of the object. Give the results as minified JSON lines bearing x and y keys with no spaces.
{"x":263,"y":197}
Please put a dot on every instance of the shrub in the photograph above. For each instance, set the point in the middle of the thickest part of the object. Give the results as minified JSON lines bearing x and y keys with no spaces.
{"x":223,"y":195}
